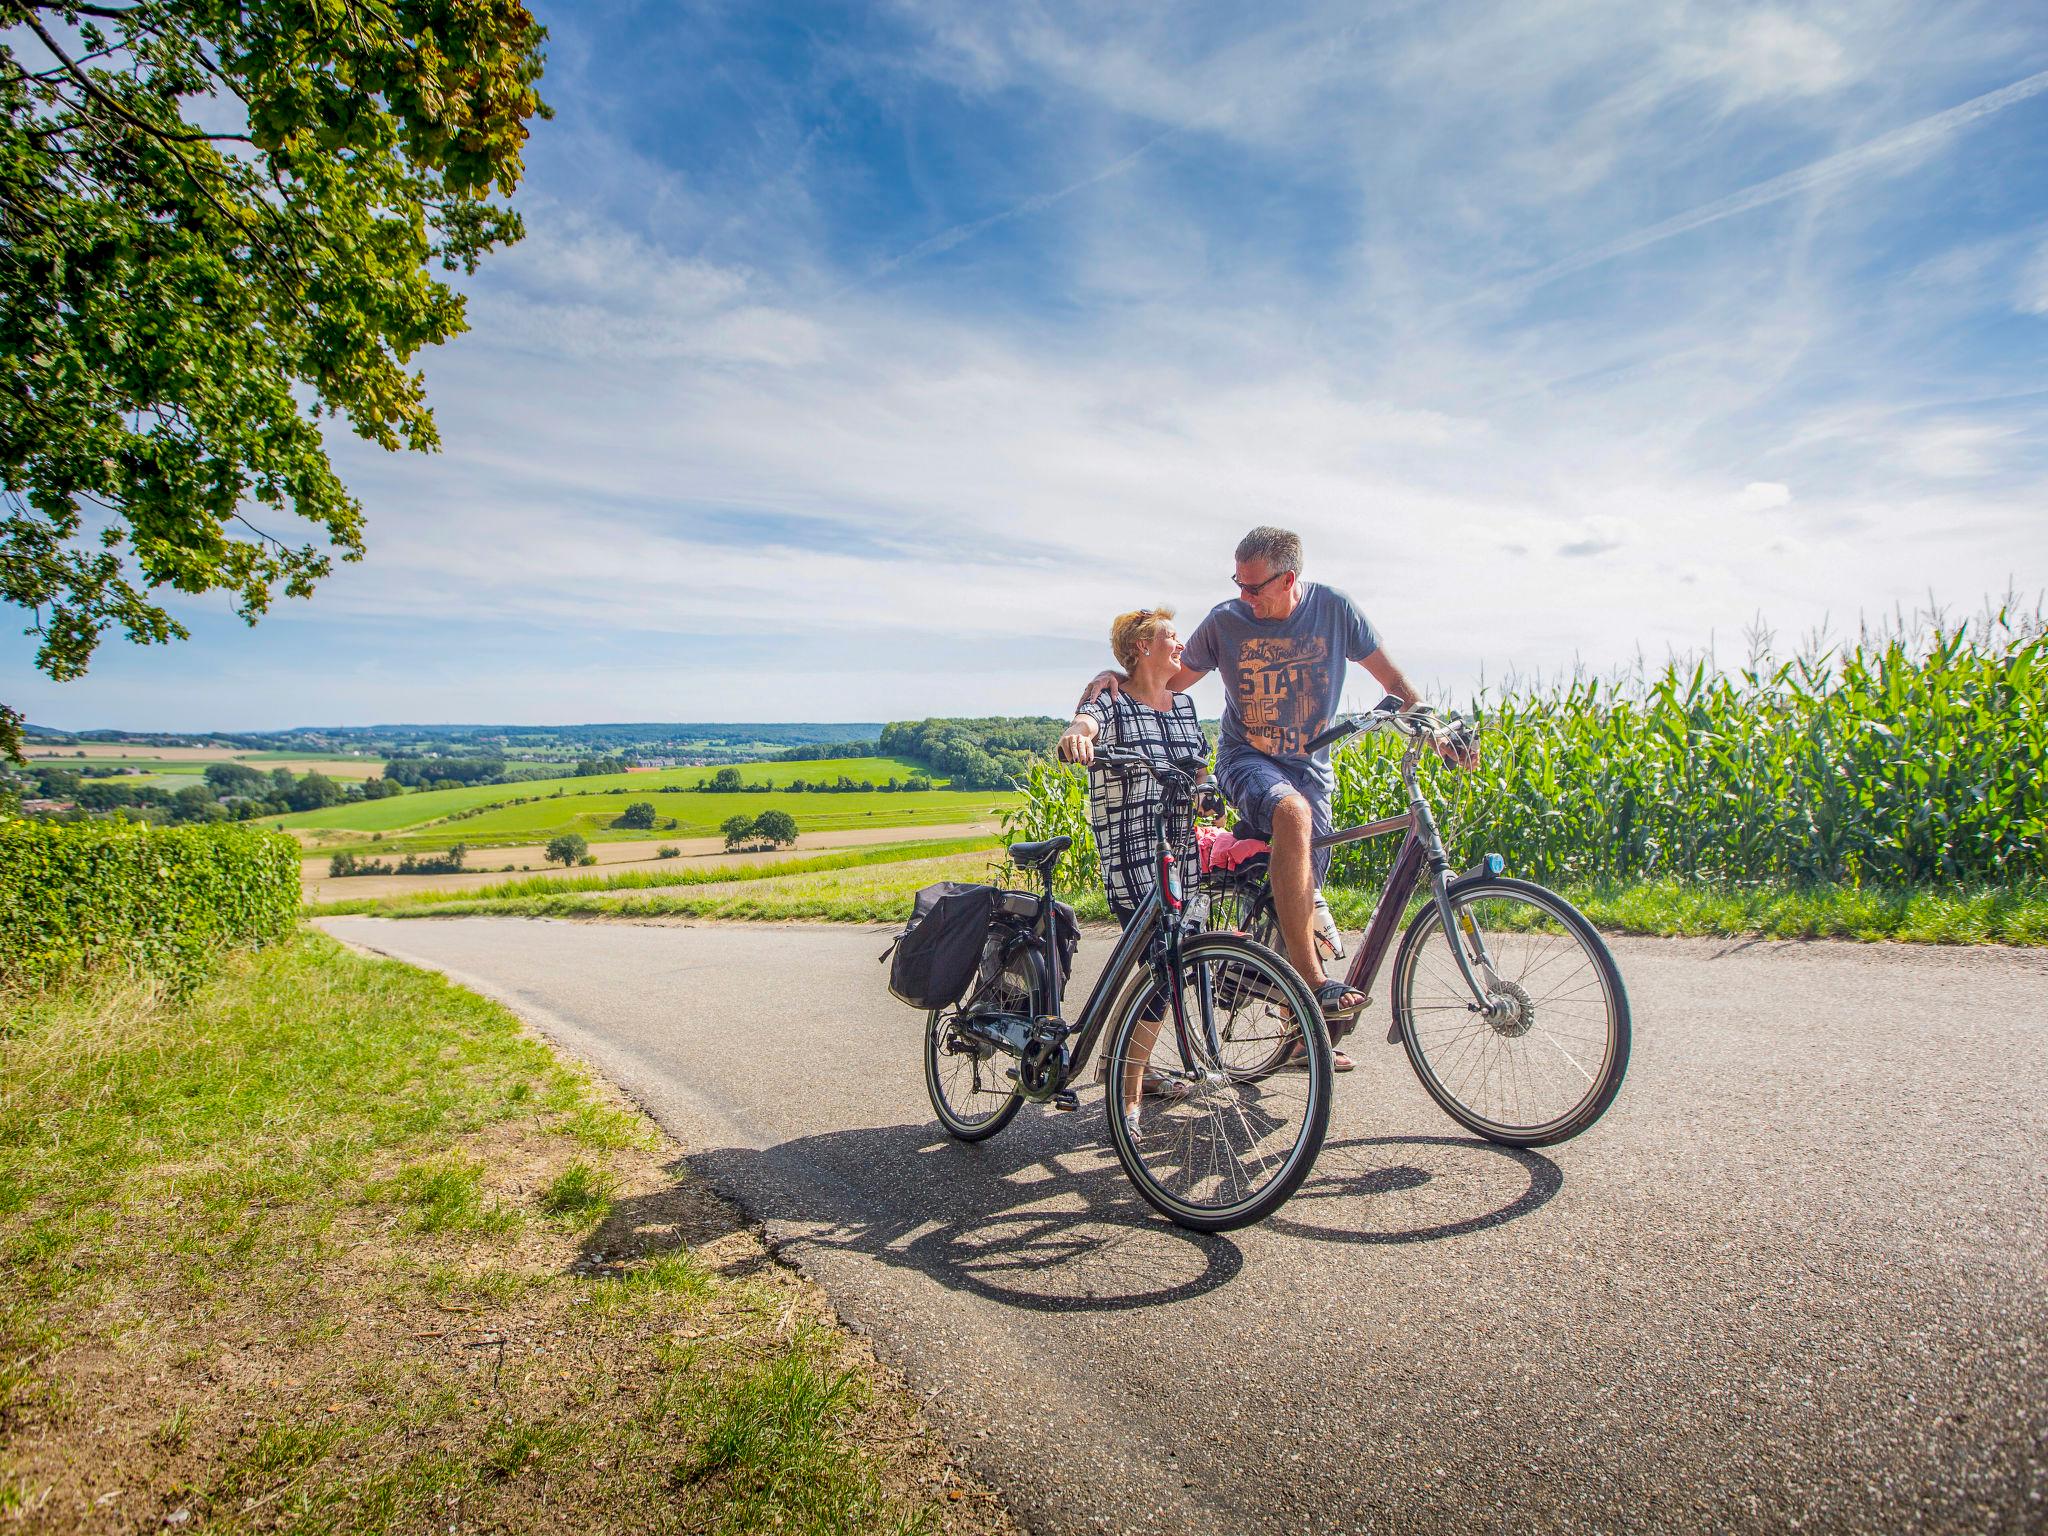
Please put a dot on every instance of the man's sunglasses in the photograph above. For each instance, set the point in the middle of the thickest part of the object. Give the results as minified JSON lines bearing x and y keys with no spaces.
{"x":1253,"y":589}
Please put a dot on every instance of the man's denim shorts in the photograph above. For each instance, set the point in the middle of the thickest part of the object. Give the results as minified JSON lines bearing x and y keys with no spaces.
{"x":1254,"y":783}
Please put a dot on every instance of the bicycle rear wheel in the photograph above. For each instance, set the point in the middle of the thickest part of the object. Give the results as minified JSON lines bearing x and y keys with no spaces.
{"x":1258,"y":1042}
{"x":969,"y":1084}
{"x":1546,"y":1055}
{"x":1213,"y":1149}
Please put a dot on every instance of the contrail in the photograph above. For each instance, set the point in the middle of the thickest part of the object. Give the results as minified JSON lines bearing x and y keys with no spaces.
{"x":1038,"y":202}
{"x":1840,"y":167}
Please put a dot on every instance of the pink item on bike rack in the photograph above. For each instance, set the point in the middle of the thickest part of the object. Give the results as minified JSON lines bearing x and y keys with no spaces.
{"x":1223,"y":850}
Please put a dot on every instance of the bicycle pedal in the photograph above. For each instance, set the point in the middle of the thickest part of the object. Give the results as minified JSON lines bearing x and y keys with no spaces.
{"x":1064,"y":1101}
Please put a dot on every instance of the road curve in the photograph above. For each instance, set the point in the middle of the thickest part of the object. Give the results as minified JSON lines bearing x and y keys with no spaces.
{"x":1797,"y":1278}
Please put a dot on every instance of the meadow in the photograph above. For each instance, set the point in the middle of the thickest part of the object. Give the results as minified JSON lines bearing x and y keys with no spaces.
{"x":254,"y":1237}
{"x":415,"y":809}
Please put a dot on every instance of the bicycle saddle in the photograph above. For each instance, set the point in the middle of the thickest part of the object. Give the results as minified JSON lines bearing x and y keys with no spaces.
{"x":1039,"y":855}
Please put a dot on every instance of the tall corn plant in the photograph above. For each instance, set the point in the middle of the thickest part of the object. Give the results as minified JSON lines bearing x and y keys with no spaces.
{"x":1054,"y":804}
{"x":1910,"y":756}
{"x":1906,"y":757}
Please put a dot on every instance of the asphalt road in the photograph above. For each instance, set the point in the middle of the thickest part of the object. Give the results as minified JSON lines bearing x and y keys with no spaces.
{"x":1796,"y":1279}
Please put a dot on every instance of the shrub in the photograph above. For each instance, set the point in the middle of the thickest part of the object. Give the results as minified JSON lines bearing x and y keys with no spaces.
{"x":567,"y":849}
{"x":163,"y":901}
{"x":668,"y":851}
{"x":639,"y":816}
{"x":588,"y":858}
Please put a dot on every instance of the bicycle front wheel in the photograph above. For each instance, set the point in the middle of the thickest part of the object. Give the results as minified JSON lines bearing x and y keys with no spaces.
{"x":1213,"y":1149}
{"x":1544,"y":1055}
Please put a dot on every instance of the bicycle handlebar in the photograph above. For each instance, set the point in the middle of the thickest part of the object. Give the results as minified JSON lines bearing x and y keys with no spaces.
{"x":1184,"y":771}
{"x":1417,"y":720}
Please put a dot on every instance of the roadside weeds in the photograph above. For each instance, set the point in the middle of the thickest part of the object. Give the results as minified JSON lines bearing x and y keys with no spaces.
{"x":336,"y":1245}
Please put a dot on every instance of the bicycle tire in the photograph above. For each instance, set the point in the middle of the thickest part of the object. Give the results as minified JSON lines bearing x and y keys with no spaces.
{"x":1499,"y":1059}
{"x":1223,"y":1115}
{"x":1247,"y":909}
{"x":963,"y":1125}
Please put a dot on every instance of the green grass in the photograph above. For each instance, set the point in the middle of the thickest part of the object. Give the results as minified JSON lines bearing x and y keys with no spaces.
{"x":413,"y":808}
{"x":871,"y":894}
{"x":649,"y":879}
{"x":697,"y":815}
{"x":880,"y":892}
{"x":1676,"y":909}
{"x":307,"y":1251}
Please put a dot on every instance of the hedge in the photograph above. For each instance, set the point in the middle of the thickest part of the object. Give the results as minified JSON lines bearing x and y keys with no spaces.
{"x":163,"y":901}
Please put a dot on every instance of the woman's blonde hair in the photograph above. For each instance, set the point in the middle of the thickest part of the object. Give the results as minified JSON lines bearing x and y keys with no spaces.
{"x":1133,"y":629}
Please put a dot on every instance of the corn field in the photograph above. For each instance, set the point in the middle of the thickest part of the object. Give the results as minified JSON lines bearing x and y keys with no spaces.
{"x":1907,"y":757}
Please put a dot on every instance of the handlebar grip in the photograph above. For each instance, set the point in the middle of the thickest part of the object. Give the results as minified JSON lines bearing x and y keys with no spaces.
{"x":1329,"y":735}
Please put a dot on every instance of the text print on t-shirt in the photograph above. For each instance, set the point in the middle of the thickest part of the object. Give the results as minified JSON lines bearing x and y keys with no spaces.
{"x":1281,"y":684}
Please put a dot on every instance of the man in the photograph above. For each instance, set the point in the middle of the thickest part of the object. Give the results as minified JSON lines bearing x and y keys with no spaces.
{"x":1281,"y":646}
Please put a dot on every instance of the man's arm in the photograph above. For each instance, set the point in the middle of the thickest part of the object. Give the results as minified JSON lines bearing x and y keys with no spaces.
{"x":1180,"y":682}
{"x":1391,"y":678}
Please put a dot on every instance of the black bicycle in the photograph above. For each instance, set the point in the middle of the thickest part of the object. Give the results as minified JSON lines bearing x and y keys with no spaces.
{"x":1208,"y":1146}
{"x":1512,"y":1009}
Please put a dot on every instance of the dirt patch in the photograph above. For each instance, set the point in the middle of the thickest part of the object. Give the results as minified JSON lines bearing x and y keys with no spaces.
{"x":612,"y":858}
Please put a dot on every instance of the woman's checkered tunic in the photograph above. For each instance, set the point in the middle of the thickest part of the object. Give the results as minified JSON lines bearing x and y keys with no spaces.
{"x":1121,"y":805}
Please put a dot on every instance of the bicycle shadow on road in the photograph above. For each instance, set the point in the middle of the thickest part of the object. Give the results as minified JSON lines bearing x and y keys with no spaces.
{"x":1415,"y":1189}
{"x":1032,"y":1218}
{"x":1042,"y":1219}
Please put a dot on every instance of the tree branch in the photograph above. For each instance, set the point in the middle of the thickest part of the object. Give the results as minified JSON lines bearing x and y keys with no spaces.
{"x":92,"y":89}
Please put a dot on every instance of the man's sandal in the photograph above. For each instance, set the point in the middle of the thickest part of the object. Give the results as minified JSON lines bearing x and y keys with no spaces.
{"x":1330,"y":997}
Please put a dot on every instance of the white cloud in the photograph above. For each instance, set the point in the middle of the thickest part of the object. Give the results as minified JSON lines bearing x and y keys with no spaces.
{"x":700,"y":456}
{"x":2032,"y":295}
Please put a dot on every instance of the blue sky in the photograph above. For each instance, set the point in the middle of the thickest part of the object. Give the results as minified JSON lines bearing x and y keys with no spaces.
{"x":861,"y":362}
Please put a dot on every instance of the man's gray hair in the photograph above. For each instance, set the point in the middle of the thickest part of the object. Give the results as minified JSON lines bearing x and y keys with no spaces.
{"x":1279,"y":548}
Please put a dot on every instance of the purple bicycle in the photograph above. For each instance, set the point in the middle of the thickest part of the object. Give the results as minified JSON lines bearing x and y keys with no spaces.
{"x":1510,"y":1006}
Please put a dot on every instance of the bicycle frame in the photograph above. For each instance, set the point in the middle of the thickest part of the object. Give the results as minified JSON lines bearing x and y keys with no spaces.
{"x":1422,"y":846}
{"x":1123,"y":968}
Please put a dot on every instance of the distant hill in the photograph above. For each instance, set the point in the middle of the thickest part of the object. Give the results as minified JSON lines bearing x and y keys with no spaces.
{"x":692,"y":741}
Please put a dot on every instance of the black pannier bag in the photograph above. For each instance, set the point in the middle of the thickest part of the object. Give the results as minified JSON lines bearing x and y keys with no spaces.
{"x":939,"y":950}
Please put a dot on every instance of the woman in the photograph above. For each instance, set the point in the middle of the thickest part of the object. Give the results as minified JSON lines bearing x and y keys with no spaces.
{"x":1145,"y":718}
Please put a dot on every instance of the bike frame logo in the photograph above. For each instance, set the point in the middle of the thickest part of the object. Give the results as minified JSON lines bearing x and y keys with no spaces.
{"x":1280,"y":686}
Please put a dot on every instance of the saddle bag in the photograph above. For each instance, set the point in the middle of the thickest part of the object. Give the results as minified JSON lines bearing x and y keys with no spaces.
{"x":939,"y":950}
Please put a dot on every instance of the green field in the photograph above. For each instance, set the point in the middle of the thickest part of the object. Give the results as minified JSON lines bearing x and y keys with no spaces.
{"x":486,"y":815}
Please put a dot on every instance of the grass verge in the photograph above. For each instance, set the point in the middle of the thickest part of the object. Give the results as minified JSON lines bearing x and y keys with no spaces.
{"x":333,"y":1245}
{"x":1677,"y":909}
{"x":881,"y":893}
{"x":649,"y":879}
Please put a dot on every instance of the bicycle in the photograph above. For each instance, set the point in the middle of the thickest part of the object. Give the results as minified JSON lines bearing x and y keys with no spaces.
{"x":1214,"y":1150}
{"x":1524,"y":1038}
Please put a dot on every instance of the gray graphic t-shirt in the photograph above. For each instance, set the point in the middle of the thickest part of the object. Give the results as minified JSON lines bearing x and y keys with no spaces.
{"x":1282,"y":678}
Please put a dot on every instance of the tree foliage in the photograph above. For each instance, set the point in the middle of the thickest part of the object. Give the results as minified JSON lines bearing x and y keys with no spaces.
{"x":567,"y":849}
{"x":218,"y":220}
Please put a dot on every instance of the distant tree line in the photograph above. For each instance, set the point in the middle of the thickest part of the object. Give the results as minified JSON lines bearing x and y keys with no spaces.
{"x":830,"y":749}
{"x":231,"y":792}
{"x":345,"y":864}
{"x":770,"y":829}
{"x":974,"y":754}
